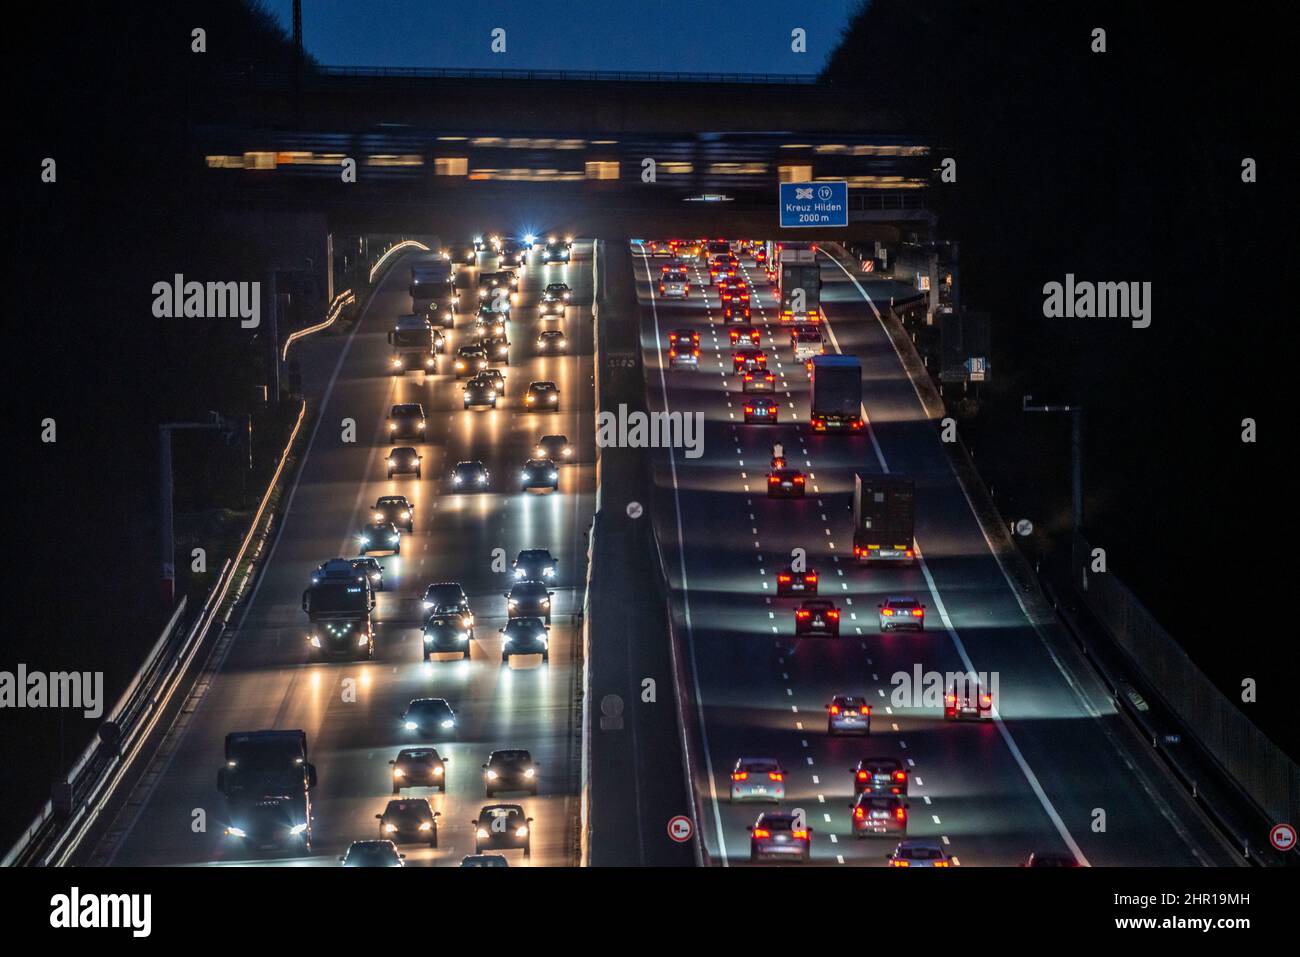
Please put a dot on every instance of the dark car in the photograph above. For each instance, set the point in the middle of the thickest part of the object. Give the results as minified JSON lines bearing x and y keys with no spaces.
{"x":542,"y":396}
{"x":409,"y":821}
{"x":470,"y":477}
{"x":380,"y":537}
{"x":529,"y":599}
{"x":480,"y":390}
{"x":425,"y":716}
{"x":502,"y":827}
{"x":535,"y":565}
{"x":484,"y":860}
{"x":371,"y":570}
{"x":817,"y":616}
{"x":419,"y":768}
{"x":395,"y":509}
{"x":403,"y":461}
{"x":463,"y":254}
{"x":497,"y":347}
{"x":761,"y":411}
{"x":373,"y":854}
{"x":791,"y":582}
{"x":748,"y":359}
{"x":449,"y":598}
{"x":758,"y":380}
{"x":879,"y":776}
{"x":539,"y":473}
{"x":878,"y":814}
{"x":406,"y":421}
{"x":552,"y":341}
{"x":1050,"y":859}
{"x":469,"y":362}
{"x":554,"y":447}
{"x":786,"y":483}
{"x":525,"y":636}
{"x":511,"y":769}
{"x":446,"y":634}
{"x":748,"y":333}
{"x":776,"y":836}
{"x":848,"y":714}
{"x":338,"y":569}
{"x":278,"y":822}
{"x":488,"y":322}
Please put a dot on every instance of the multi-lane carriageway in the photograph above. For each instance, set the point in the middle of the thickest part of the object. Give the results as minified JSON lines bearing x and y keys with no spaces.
{"x":259,"y":676}
{"x":1057,"y":771}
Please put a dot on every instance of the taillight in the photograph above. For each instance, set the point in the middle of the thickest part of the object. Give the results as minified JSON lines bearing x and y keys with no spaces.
{"x":887,"y":612}
{"x":833,"y":613}
{"x":940,"y":864}
{"x":672,"y":353}
{"x":762,"y":832}
{"x":835,"y":709}
{"x":775,"y":776}
{"x":799,"y":835}
{"x":859,"y":814}
{"x":862,"y":775}
{"x":916,"y":613}
{"x":900,"y":775}
{"x":900,"y":813}
{"x":951,"y":700}
{"x":802,"y":613}
{"x":810,"y":578}
{"x":798,"y":480}
{"x":740,"y":775}
{"x":772,"y":480}
{"x":784,"y":579}
{"x":865,"y":709}
{"x":986,"y":700}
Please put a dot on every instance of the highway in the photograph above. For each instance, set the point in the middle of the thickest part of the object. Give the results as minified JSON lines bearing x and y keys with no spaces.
{"x":1059,"y":770}
{"x":260,"y":675}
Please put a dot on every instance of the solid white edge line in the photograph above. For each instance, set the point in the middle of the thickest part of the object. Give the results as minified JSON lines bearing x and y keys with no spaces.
{"x":686,"y":594}
{"x":1025,"y":769}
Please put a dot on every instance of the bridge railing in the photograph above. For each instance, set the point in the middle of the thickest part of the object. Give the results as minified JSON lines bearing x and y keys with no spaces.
{"x":287,"y":77}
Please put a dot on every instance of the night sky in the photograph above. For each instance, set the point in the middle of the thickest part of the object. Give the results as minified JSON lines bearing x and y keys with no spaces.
{"x":750,"y":37}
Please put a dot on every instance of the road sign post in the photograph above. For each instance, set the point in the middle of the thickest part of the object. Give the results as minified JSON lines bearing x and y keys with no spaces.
{"x":681,"y":829}
{"x":809,"y":205}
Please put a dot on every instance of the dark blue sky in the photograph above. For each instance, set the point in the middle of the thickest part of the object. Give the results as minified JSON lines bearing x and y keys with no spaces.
{"x":741,"y":36}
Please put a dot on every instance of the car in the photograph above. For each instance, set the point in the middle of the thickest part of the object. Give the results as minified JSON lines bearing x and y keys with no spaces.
{"x":426,"y":716}
{"x":373,"y":854}
{"x":463,"y":254}
{"x":748,"y":333}
{"x":535,"y":564}
{"x":409,"y":820}
{"x":529,"y":599}
{"x":806,"y":341}
{"x":541,"y":395}
{"x":489,"y":321}
{"x":733,"y":290}
{"x":406,"y":421}
{"x":552,"y":341}
{"x":470,"y":477}
{"x":900,"y":611}
{"x":403,"y":461}
{"x":848,"y":714}
{"x":449,"y":598}
{"x":817,"y":616}
{"x":748,"y":360}
{"x":441,"y":312}
{"x":510,"y":769}
{"x":497,"y":348}
{"x":967,"y":701}
{"x":539,"y":473}
{"x":758,"y":779}
{"x":556,"y":251}
{"x":338,"y":569}
{"x":446,"y":634}
{"x":490,"y":282}
{"x":514,"y":251}
{"x":785,"y":483}
{"x":371,"y":570}
{"x":723,"y":268}
{"x":502,"y":827}
{"x":469,"y":362}
{"x":1050,"y":859}
{"x":736,"y":311}
{"x":791,"y":582}
{"x":419,"y":767}
{"x":674,"y":285}
{"x":380,"y":537}
{"x":757,"y":381}
{"x":918,"y":853}
{"x":777,"y":836}
{"x":683,"y":355}
{"x":484,"y":860}
{"x":480,"y":391}
{"x":554,"y":447}
{"x":497,"y":378}
{"x":679,"y":337}
{"x":555,"y":297}
{"x":525,"y":636}
{"x":396,"y":509}
{"x":879,"y":776}
{"x":873,"y":814}
{"x":761,"y":411}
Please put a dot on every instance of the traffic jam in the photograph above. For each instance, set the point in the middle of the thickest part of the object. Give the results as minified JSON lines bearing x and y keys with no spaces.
{"x":749,"y":313}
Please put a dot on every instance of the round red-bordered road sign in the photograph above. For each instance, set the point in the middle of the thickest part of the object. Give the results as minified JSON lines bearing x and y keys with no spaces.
{"x":680,"y":829}
{"x":1282,"y":837}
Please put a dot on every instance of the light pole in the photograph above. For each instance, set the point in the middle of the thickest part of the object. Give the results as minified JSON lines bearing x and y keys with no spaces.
{"x":166,"y":530}
{"x":1076,"y":452}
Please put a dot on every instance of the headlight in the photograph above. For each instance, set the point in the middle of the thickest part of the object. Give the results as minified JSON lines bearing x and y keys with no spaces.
{"x":426,"y":825}
{"x":448,"y":723}
{"x":456,"y":479}
{"x":297,"y":829}
{"x":568,"y":450}
{"x":521,"y":831}
{"x":546,"y":603}
{"x":512,"y":603}
{"x":529,"y":773}
{"x":379,"y":516}
{"x":463,"y":636}
{"x":315,"y":641}
{"x":427,"y":605}
{"x":390,"y":828}
{"x":392,"y":426}
{"x":554,"y":476}
{"x":407,"y":515}
{"x":363,"y":640}
{"x":539,"y":451}
{"x":374,"y":576}
{"x":491,"y":775}
{"x":550,"y":570}
{"x":233,"y":831}
{"x":398,"y":773}
{"x":481,"y":832}
{"x":519,"y":573}
{"x":427,"y":637}
{"x":482,"y":479}
{"x":365,"y":540}
{"x":390,"y":461}
{"x":492,"y":393}
{"x":411,"y":726}
{"x":526,"y":476}
{"x":392,"y":539}
{"x":437,"y":772}
{"x":397,"y":363}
